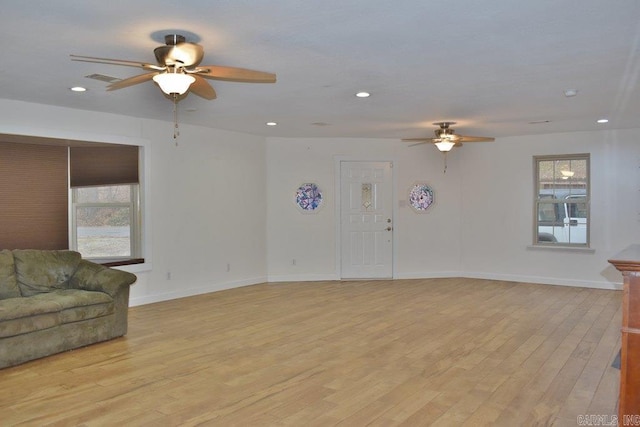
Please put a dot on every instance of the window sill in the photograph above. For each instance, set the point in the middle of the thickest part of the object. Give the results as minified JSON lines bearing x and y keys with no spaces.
{"x":132,"y":265}
{"x":118,"y":262}
{"x":561,"y":248}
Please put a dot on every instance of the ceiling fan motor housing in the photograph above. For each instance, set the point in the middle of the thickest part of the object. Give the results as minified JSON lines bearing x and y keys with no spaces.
{"x":444,"y":132}
{"x":178,"y":53}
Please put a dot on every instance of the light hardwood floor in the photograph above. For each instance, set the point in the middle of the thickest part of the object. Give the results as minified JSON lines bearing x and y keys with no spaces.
{"x":443,"y":352}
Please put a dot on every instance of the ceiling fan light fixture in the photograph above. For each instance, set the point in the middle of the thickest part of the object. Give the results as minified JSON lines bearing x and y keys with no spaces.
{"x":445,"y":145}
{"x":174,"y":83}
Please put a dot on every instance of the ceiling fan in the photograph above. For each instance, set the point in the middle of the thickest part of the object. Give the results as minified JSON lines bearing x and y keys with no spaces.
{"x":446,"y":138}
{"x":178,"y":70}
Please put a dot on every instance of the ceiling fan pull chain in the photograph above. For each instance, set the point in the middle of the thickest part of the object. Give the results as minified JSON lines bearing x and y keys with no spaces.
{"x":176,"y":131}
{"x":445,"y":162}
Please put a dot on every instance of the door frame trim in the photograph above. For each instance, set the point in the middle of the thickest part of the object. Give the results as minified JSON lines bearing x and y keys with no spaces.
{"x":338,"y":160}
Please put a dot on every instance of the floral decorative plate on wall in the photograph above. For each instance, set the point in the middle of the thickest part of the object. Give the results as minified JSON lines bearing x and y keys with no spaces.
{"x":421,"y":197}
{"x":308,"y":197}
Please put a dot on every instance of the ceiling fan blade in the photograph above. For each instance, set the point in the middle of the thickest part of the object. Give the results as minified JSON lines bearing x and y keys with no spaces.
{"x":463,"y":138}
{"x":141,"y":78}
{"x":122,"y":62}
{"x":418,"y":141}
{"x":202,"y":88}
{"x":232,"y":74}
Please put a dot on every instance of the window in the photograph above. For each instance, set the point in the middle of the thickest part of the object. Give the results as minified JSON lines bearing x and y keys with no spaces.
{"x":561,"y":216}
{"x":105,"y":203}
{"x":72,"y":194}
{"x":106,"y":222}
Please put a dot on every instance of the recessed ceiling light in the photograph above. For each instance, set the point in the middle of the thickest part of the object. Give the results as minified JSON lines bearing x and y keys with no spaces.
{"x":603,"y":120}
{"x":78,"y":89}
{"x":363,"y":94}
{"x":570,"y":92}
{"x":271,"y":124}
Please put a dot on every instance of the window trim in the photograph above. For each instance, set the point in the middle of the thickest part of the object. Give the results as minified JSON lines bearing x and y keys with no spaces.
{"x":537,"y":200}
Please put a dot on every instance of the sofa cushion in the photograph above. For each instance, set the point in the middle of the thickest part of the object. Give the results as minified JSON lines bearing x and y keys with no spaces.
{"x":44,"y":271}
{"x":46,"y":310}
{"x":19,"y":308}
{"x":8,"y":283}
{"x":24,"y":315}
{"x":76,"y":304}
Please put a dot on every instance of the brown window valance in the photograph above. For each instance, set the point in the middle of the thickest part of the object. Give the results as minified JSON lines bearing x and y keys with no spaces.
{"x":90,"y":166}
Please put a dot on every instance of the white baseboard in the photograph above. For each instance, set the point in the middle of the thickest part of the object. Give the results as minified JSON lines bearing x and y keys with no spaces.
{"x":428,"y":275}
{"x":213,"y":287}
{"x":514,"y":278}
{"x":303,"y":278}
{"x":544,"y":280}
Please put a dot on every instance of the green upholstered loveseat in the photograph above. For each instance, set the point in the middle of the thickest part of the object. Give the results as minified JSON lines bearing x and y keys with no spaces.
{"x":53,"y":301}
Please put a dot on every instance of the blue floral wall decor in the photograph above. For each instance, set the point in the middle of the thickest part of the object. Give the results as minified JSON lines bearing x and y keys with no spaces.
{"x":421,"y":197}
{"x":308,"y":197}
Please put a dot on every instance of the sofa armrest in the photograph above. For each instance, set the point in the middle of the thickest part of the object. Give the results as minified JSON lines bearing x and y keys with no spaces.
{"x":95,"y":277}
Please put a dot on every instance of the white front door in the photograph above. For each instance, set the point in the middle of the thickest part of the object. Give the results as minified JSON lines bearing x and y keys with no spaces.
{"x":366,"y":221}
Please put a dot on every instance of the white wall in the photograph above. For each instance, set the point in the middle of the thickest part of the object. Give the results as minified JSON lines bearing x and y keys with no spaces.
{"x":481,"y":224}
{"x":206,"y":198}
{"x":427,"y":244}
{"x":227,"y":198}
{"x":207,"y":207}
{"x":497,"y":194}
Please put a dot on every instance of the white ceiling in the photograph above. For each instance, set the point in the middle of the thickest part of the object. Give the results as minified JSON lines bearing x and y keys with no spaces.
{"x":492,"y":66}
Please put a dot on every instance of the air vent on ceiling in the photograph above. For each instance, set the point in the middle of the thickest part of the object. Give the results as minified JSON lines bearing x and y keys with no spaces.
{"x":103,"y":78}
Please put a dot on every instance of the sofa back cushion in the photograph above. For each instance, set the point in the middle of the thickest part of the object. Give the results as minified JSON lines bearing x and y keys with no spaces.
{"x":41,"y":271}
{"x":8,"y":283}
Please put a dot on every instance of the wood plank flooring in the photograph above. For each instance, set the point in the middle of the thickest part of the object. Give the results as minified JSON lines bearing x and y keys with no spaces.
{"x":443,"y":352}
